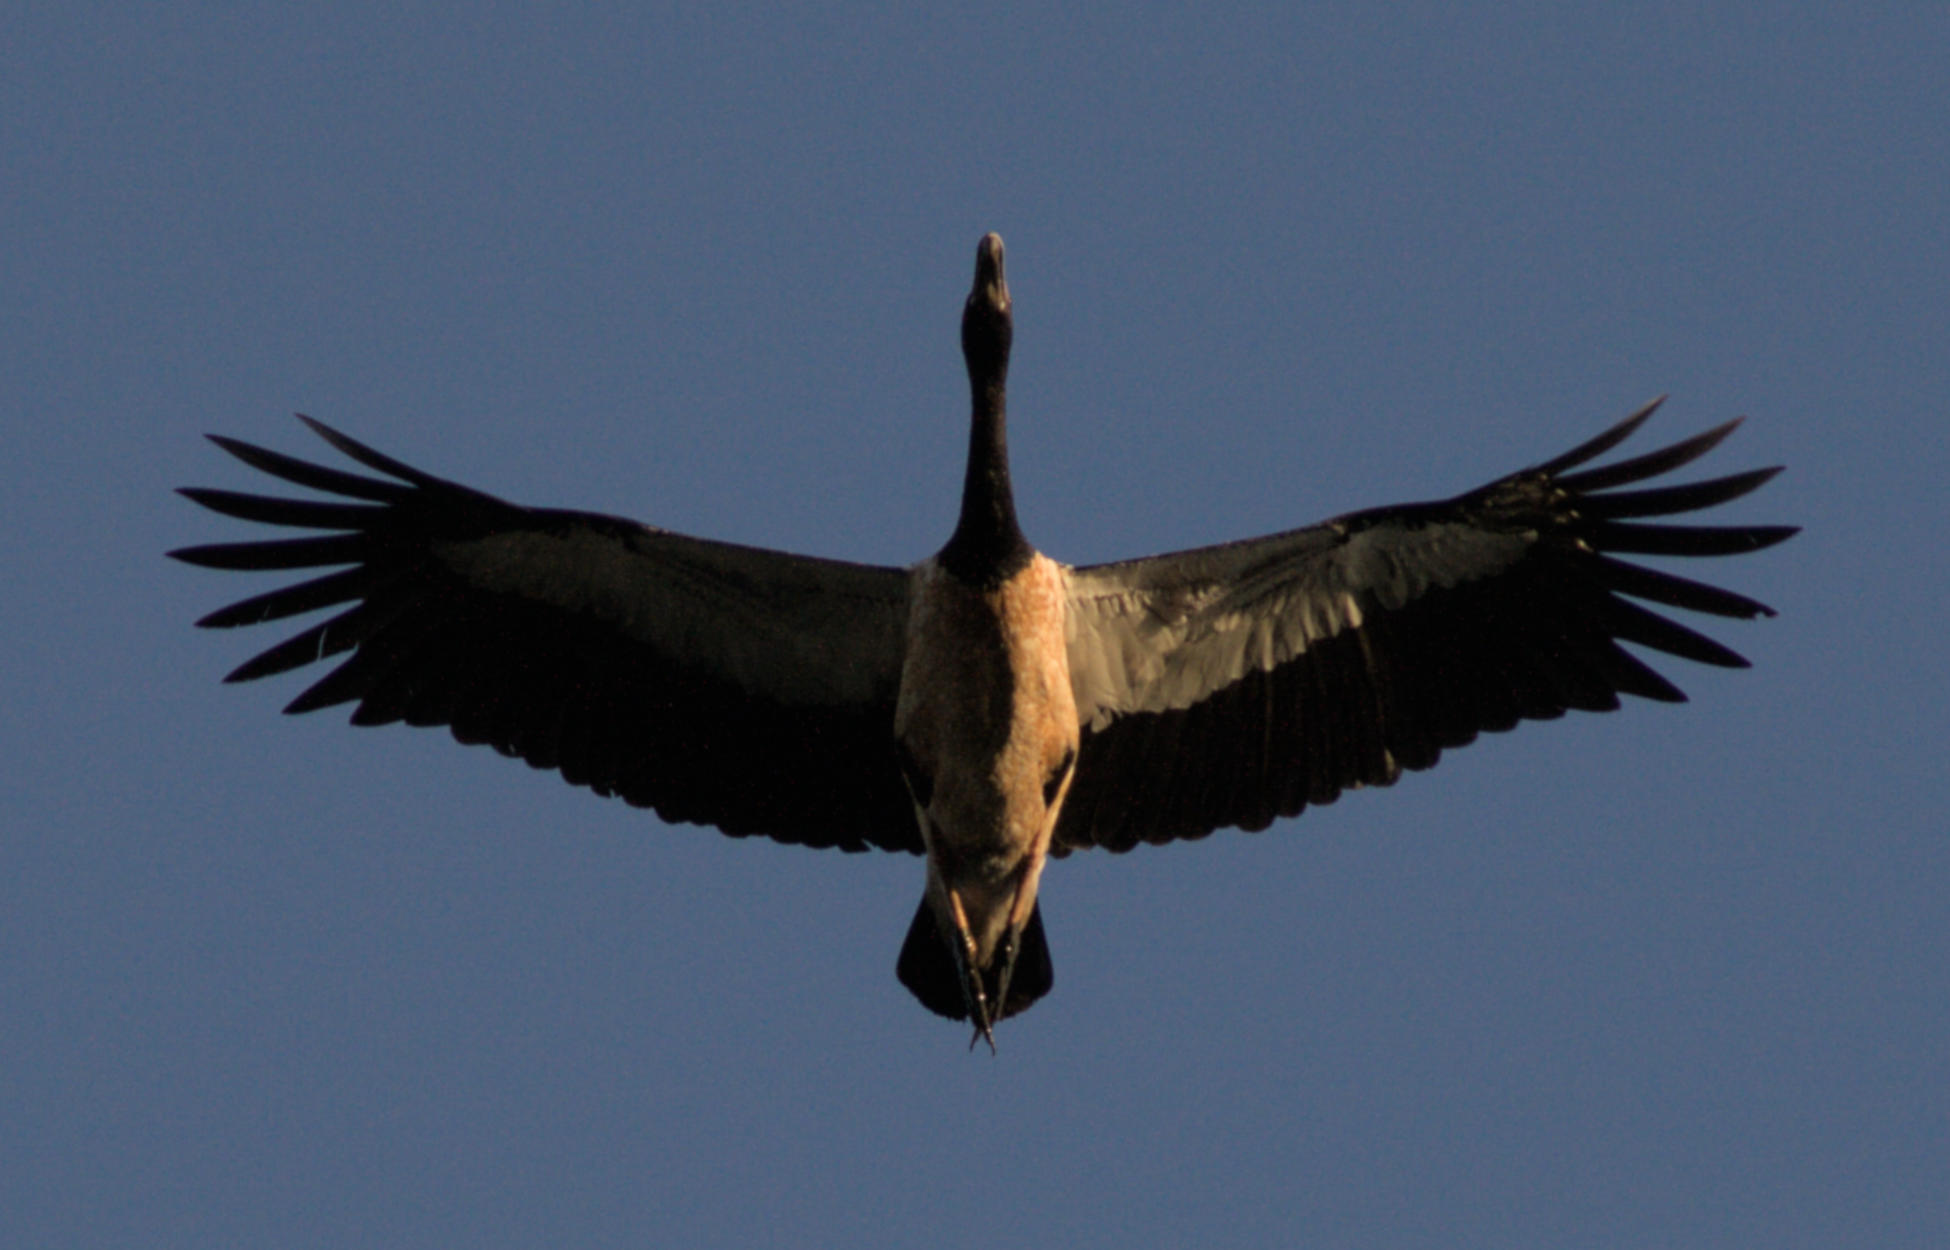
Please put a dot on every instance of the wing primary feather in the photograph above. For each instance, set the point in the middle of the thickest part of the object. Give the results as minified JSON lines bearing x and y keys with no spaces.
{"x":1651,"y":464}
{"x":308,"y":646}
{"x":1636,"y":624}
{"x":1685,"y":540}
{"x":1632,"y":675}
{"x":282,"y":553}
{"x":1673,"y":590}
{"x":365,"y":455}
{"x":1592,"y":448}
{"x":321,"y":592}
{"x":300,"y":513}
{"x":316,"y":476}
{"x":1666,"y":500}
{"x":375,"y":657}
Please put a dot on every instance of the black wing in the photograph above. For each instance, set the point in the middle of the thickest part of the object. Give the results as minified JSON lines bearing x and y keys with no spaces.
{"x":1234,"y":684}
{"x":718,"y":684}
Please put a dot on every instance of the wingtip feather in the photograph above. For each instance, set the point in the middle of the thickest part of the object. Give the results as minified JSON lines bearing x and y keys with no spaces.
{"x":351,"y":447}
{"x":1652,"y":463}
{"x":1592,"y":448}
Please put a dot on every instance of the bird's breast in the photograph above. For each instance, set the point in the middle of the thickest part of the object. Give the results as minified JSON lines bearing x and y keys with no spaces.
{"x":986,"y":713}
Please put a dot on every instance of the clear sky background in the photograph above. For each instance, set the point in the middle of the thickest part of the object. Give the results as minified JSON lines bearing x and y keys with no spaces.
{"x":1669,"y":977}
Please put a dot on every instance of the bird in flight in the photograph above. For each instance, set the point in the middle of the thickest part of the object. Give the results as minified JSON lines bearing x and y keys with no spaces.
{"x":987,"y":708}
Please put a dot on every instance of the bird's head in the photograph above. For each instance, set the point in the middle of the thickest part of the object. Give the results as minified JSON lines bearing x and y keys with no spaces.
{"x":987,"y":323}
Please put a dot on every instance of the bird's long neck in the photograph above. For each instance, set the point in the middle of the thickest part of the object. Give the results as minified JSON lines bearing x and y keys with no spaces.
{"x":987,"y":546}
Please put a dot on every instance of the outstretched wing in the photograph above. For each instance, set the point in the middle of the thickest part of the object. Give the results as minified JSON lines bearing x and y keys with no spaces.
{"x":1234,"y":684}
{"x":718,"y":684}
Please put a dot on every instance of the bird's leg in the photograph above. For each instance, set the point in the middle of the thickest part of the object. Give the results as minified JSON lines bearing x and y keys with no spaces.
{"x":1007,"y":956}
{"x":973,"y":996}
{"x":1021,"y":908}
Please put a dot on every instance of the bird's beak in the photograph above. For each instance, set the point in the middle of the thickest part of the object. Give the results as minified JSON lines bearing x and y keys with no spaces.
{"x":991,"y":288}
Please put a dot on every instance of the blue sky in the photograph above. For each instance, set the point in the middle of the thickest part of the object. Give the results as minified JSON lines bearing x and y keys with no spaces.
{"x":1675,"y":976}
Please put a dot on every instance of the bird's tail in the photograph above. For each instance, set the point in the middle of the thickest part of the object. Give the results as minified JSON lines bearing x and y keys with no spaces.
{"x":927,"y":968}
